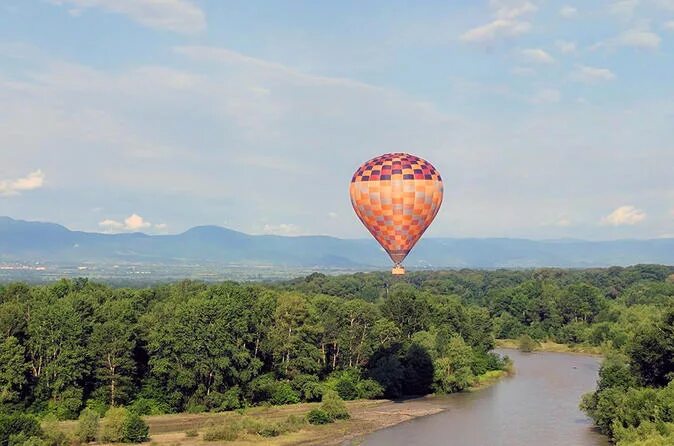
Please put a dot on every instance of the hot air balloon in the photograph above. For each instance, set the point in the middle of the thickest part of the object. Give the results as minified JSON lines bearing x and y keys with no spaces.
{"x":396,"y":196}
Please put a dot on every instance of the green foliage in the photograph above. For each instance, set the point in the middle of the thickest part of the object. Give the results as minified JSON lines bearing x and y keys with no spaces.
{"x":283,"y":393}
{"x":191,"y":433}
{"x":147,"y":406}
{"x":224,"y":432}
{"x":318,"y":416}
{"x":453,"y":372}
{"x":15,"y":425}
{"x":346,"y":388}
{"x":87,"y":426}
{"x":112,"y":426}
{"x":369,"y":389}
{"x":134,"y":429}
{"x":418,"y":371}
{"x":198,"y":347}
{"x":334,"y":406}
{"x":526,"y":344}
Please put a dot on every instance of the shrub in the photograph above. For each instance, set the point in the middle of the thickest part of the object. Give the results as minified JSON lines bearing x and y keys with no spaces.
{"x":68,"y":406}
{"x":318,"y":416}
{"x":134,"y":429}
{"x":112,"y":427}
{"x":22,"y":440}
{"x":293,"y":423}
{"x":334,"y":406}
{"x":283,"y":393}
{"x":270,"y":430}
{"x":87,"y":426}
{"x":226,"y":432}
{"x":147,"y":406}
{"x":370,"y":389}
{"x":97,"y":406}
{"x":229,"y":400}
{"x":18,"y":424}
{"x":191,"y":433}
{"x":346,"y":388}
{"x":52,"y":434}
{"x":308,"y":386}
{"x":526,"y":344}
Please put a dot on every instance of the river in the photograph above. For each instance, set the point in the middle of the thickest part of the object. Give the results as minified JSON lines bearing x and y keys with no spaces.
{"x":538,"y":405}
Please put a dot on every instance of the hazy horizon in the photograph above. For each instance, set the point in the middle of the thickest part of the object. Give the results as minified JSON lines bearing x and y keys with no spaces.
{"x":547,"y":120}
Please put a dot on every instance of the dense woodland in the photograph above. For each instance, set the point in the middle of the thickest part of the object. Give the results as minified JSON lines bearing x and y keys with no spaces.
{"x":197,"y":347}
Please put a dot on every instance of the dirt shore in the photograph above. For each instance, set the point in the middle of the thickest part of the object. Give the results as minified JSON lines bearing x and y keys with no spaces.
{"x":366,"y":417}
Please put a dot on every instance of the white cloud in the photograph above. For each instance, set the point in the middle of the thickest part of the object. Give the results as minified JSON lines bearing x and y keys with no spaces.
{"x":281,"y":229}
{"x":546,"y":96}
{"x":565,"y":46}
{"x":133,"y":222}
{"x":506,"y":22}
{"x":523,"y":71}
{"x":638,"y":39}
{"x":161,"y":227}
{"x":332,"y":214}
{"x":511,"y":9}
{"x":496,"y":29}
{"x":180,"y":16}
{"x":111,"y":225}
{"x":568,"y":12}
{"x":624,"y":8}
{"x":563,"y":222}
{"x":624,"y":216}
{"x":34,"y":180}
{"x":538,"y":55}
{"x":670,"y":25}
{"x":586,"y":74}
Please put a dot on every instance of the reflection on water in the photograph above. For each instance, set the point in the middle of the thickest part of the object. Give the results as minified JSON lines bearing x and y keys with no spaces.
{"x":536,"y":406}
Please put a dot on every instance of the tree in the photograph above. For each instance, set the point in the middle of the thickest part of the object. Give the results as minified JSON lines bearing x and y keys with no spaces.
{"x":13,"y":370}
{"x":417,"y":371}
{"x":651,"y":351}
{"x":453,"y":373}
{"x":293,"y":337}
{"x":112,"y":344}
{"x":56,"y":349}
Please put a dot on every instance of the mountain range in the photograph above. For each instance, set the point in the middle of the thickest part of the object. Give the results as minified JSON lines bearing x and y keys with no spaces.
{"x":23,"y":241}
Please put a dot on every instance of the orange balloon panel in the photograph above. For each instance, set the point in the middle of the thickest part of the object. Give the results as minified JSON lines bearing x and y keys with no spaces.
{"x":396,"y":196}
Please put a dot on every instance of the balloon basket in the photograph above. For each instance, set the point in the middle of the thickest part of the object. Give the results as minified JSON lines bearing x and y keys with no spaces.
{"x":398,"y":270}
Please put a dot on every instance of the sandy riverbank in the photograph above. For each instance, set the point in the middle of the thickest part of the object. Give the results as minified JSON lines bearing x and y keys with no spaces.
{"x":366,"y":416}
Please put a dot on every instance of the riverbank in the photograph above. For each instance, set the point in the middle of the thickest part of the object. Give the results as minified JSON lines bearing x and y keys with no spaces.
{"x":367,"y":416}
{"x":553,"y":347}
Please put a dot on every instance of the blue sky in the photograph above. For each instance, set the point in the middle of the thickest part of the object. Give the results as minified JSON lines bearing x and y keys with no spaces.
{"x":547,"y":119}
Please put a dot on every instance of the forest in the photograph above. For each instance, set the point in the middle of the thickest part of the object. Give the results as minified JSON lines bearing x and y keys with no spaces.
{"x":76,"y":346}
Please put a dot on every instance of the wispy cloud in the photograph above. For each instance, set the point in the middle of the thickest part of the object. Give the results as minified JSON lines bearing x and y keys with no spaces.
{"x":507,"y":22}
{"x":537,"y":55}
{"x":568,"y":12}
{"x":180,"y":16}
{"x":584,"y":73}
{"x":34,"y":180}
{"x":624,"y":216}
{"x":624,"y":8}
{"x":565,"y":46}
{"x":632,"y":38}
{"x":669,"y":25}
{"x":546,"y":96}
{"x":281,"y":229}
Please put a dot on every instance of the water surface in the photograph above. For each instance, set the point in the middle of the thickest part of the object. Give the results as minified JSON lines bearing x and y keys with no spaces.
{"x":536,"y":406}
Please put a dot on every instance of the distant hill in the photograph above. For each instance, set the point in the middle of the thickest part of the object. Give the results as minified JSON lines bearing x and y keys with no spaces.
{"x":49,"y":242}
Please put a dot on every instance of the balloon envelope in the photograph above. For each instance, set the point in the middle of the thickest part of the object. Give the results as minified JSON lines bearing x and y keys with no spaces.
{"x":396,"y":196}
